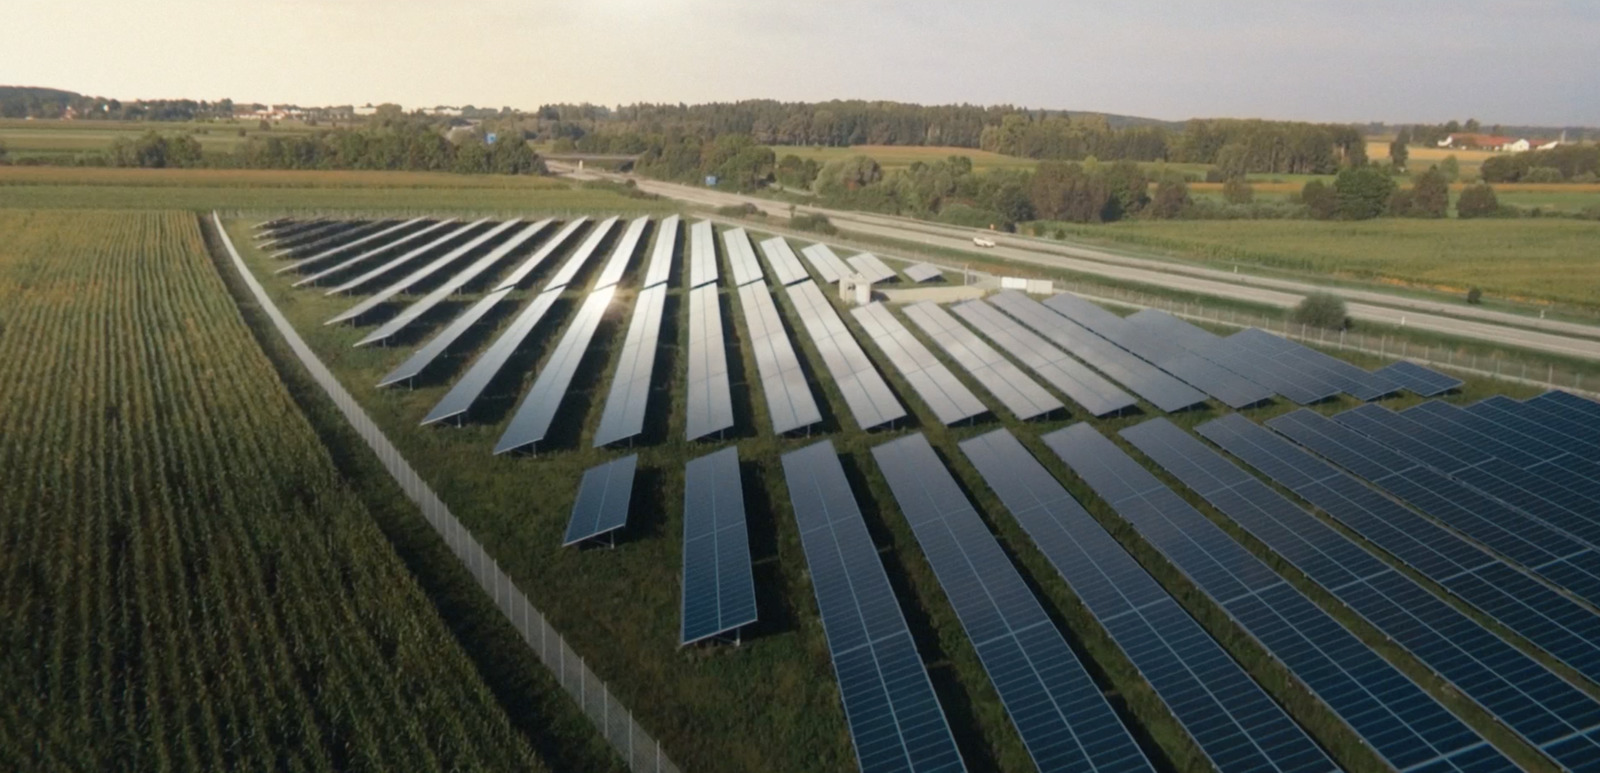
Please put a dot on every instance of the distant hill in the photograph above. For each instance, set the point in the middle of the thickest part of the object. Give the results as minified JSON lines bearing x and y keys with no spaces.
{"x":35,"y":101}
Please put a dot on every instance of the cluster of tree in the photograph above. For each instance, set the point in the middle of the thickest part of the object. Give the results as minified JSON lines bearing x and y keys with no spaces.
{"x":153,"y":150}
{"x":735,"y":160}
{"x":1059,"y":137}
{"x":1563,"y":163}
{"x":29,"y":102}
{"x":1240,"y":147}
{"x":398,"y":146}
{"x":1368,"y":192}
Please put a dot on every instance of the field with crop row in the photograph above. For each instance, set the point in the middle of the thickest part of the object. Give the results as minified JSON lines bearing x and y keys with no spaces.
{"x":186,"y":583}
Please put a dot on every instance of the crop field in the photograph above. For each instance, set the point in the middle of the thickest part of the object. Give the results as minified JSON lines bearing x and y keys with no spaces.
{"x":1524,"y":259}
{"x":298,"y":191}
{"x":1420,"y":157}
{"x":770,"y":702}
{"x":27,"y":139}
{"x":186,"y":582}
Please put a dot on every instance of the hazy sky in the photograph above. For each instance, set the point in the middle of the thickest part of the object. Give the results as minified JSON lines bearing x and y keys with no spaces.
{"x":1506,"y":61}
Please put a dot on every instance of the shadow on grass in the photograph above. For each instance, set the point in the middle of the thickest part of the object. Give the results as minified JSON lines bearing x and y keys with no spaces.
{"x":775,"y":615}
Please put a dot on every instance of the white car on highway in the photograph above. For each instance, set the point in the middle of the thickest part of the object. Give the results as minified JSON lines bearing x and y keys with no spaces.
{"x":982,"y":242}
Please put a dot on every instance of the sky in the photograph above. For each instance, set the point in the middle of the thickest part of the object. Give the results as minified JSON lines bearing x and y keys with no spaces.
{"x":1511,"y":61}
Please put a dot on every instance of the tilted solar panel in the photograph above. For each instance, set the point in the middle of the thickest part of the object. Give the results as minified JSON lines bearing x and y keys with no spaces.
{"x":1085,"y":387}
{"x":603,"y":498}
{"x":741,"y":256}
{"x":622,"y":254}
{"x":949,"y":399}
{"x":790,"y":403}
{"x":702,"y":254}
{"x":539,"y":408}
{"x":410,"y":280}
{"x":393,"y":231}
{"x":630,"y":387}
{"x":710,"y":402}
{"x":1018,"y":393}
{"x":827,"y":264}
{"x":865,"y":392}
{"x":521,"y":273}
{"x":922,"y":272}
{"x":719,"y":591}
{"x":666,"y":245}
{"x":784,"y":263}
{"x":379,"y":271}
{"x":1426,"y":382}
{"x":575,"y":262}
{"x":466,"y":391}
{"x":394,"y":242}
{"x":430,"y":351}
{"x":871,"y":268}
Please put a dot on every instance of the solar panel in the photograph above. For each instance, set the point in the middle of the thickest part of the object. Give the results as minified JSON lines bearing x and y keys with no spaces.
{"x":538,"y":410}
{"x":335,"y":232}
{"x":439,"y":344}
{"x":1064,"y":720}
{"x":466,"y":391}
{"x":517,"y":276}
{"x":396,"y":262}
{"x":1023,"y":397}
{"x":871,"y":268}
{"x":710,"y":403}
{"x":394,"y":230}
{"x":895,"y":720}
{"x":1549,"y":552}
{"x":1143,"y":379}
{"x":1085,"y":387}
{"x":784,"y":263}
{"x":1352,"y":380}
{"x":660,"y":268}
{"x":827,"y":264}
{"x":1233,"y":721}
{"x":398,"y":240}
{"x":410,"y":280}
{"x":702,"y":254}
{"x":603,"y":497}
{"x":622,"y":254}
{"x":1400,"y":722}
{"x":1300,"y":385}
{"x":1543,"y":708}
{"x":868,"y":396}
{"x":1230,"y":388}
{"x":292,"y":231}
{"x":741,"y":256}
{"x":358,"y":229}
{"x":790,"y":403}
{"x":947,"y":397}
{"x":1542,"y":615}
{"x":630,"y":386}
{"x":1426,"y":382}
{"x":719,"y":592}
{"x":451,"y":286}
{"x":569,"y":270}
{"x":923,"y":272}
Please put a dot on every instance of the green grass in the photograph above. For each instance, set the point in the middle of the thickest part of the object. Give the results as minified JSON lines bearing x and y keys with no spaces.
{"x":78,"y":138}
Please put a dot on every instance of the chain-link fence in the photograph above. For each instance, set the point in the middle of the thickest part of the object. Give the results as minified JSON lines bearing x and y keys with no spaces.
{"x":610,"y":717}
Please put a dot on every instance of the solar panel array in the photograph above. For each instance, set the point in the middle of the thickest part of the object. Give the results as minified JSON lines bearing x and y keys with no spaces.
{"x":295,"y":230}
{"x":784,"y":263}
{"x":702,"y":254}
{"x":426,"y":354}
{"x":946,"y":396}
{"x":1063,"y":719}
{"x":895,"y":720}
{"x":399,"y":240}
{"x":1085,"y":387}
{"x":1522,"y":539}
{"x":866,"y":393}
{"x":1399,"y":721}
{"x":710,"y":404}
{"x":1285,"y":378}
{"x":453,"y":285}
{"x":1230,"y":388}
{"x":521,"y":273}
{"x":393,"y":231}
{"x":630,"y":386}
{"x":622,"y":254}
{"x":660,"y":268}
{"x":1143,"y":379}
{"x":576,"y":261}
{"x":539,"y":407}
{"x":1018,"y":393}
{"x":1540,"y":706}
{"x":871,"y":268}
{"x":741,"y":256}
{"x":1426,"y":382}
{"x":603,"y":498}
{"x":341,"y":232}
{"x":922,"y":272}
{"x":383,"y":269}
{"x":411,"y":280}
{"x":719,"y":592}
{"x":789,"y":400}
{"x":1348,"y":378}
{"x":1557,"y":624}
{"x":827,"y":264}
{"x":469,"y":387}
{"x":1233,"y":721}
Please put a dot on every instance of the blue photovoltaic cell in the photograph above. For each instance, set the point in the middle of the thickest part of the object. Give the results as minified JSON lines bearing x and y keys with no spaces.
{"x":603,"y":498}
{"x":790,"y":404}
{"x":334,"y":251}
{"x":1536,"y":703}
{"x":630,"y":385}
{"x":539,"y":408}
{"x":1233,"y":721}
{"x":949,"y":399}
{"x":666,"y":245}
{"x":1300,"y":385}
{"x":398,"y":240}
{"x":380,"y":270}
{"x":1061,"y":715}
{"x":894,"y":716}
{"x":521,"y":272}
{"x":1426,"y":382}
{"x":430,"y":351}
{"x":470,"y":386}
{"x":1397,"y":719}
{"x":868,"y":396}
{"x":719,"y":592}
{"x":404,"y":284}
{"x":622,"y":254}
{"x":710,"y":403}
{"x":1019,"y":394}
{"x":1352,"y":380}
{"x":575,"y":262}
{"x":1086,"y":388}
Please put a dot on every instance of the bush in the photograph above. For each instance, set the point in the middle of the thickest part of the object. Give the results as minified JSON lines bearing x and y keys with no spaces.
{"x":1478,"y":201}
{"x":1319,"y":200}
{"x":1171,"y":199}
{"x":1363,"y":193}
{"x":1237,"y":191}
{"x":1324,"y":310}
{"x":739,"y":210}
{"x":814,"y":223}
{"x":1475,"y":296}
{"x":1060,"y":235}
{"x":970,"y":216}
{"x":1542,"y":174}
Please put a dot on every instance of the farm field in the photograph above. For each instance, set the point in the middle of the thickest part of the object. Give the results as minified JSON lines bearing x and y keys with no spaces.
{"x":1420,"y":157}
{"x":186,"y":582}
{"x":51,"y":138}
{"x":768,"y":703}
{"x":1524,"y":259}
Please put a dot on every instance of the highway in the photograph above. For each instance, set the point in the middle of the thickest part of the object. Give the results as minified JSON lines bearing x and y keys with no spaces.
{"x":1496,"y":327}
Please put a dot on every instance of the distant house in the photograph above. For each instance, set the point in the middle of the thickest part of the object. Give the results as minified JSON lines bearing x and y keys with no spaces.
{"x":1517,"y":145}
{"x":1546,"y":144}
{"x":1463,"y":141}
{"x":366,"y":110}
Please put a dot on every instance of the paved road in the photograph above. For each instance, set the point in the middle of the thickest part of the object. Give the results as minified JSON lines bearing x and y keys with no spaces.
{"x":1553,"y":336}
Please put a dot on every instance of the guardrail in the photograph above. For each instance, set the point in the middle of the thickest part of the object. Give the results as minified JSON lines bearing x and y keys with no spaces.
{"x":641,"y":753}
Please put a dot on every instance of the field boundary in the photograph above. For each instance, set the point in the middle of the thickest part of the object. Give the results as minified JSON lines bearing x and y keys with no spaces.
{"x":615,"y":723}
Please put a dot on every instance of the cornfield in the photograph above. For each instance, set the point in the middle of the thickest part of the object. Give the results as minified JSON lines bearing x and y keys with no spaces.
{"x":185,"y":581}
